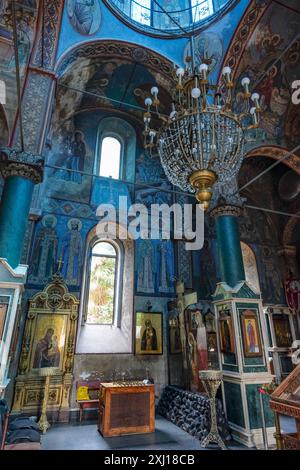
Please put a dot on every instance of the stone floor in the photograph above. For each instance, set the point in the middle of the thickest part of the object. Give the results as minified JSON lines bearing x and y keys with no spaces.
{"x":85,"y":436}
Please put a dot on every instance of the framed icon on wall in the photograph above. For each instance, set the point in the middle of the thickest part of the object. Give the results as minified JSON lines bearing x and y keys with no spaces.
{"x":148,"y":333}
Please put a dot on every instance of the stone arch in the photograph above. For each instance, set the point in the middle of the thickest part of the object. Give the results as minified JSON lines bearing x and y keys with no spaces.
{"x":116,"y":49}
{"x":276,"y":152}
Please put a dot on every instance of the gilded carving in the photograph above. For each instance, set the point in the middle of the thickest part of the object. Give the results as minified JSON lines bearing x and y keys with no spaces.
{"x":21,"y":169}
{"x":49,"y":341}
{"x":226,"y":209}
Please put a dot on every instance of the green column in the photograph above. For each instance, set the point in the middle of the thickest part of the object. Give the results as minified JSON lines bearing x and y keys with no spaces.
{"x":229,"y":247}
{"x":14,"y":209}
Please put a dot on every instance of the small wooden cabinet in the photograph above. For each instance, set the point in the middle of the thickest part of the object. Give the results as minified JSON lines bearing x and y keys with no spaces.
{"x":126,"y":408}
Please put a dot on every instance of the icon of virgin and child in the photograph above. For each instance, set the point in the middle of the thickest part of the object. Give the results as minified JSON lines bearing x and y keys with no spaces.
{"x":47,"y":352}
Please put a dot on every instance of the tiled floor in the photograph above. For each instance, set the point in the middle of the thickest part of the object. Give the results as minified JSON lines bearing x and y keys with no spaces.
{"x":167,"y":436}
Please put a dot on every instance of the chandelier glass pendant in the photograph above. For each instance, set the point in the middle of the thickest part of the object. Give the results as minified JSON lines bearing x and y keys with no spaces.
{"x":202,"y":139}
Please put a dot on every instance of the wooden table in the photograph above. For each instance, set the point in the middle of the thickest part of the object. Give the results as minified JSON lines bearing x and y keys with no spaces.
{"x":126,"y":408}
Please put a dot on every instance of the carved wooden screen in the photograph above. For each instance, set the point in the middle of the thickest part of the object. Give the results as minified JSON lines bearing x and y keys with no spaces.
{"x":49,"y":341}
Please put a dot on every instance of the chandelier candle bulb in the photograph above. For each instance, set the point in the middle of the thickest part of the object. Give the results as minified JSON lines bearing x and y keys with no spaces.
{"x":255,"y":99}
{"x":195,"y":93}
{"x":180,"y":73}
{"x":148,"y":103}
{"x":245,"y":85}
{"x":203,"y":69}
{"x":154,"y":91}
{"x":227,"y":74}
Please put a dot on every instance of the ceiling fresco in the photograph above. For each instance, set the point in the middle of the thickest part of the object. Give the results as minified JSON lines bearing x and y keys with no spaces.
{"x":26,"y":23}
{"x":125,"y":76}
{"x":271,"y":59}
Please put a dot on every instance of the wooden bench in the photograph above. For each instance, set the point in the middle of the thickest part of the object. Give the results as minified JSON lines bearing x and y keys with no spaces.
{"x":93,"y":392}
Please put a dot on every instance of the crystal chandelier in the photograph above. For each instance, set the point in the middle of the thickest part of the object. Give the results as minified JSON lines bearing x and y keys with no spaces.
{"x":201,"y":141}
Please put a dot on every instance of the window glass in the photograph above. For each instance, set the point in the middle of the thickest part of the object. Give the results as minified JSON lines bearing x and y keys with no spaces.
{"x":201,"y":9}
{"x":110,"y":157}
{"x":141,"y":11}
{"x":169,"y":16}
{"x":100,"y":308}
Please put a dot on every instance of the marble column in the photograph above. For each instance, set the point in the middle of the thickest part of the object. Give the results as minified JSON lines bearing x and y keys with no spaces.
{"x":229,"y":247}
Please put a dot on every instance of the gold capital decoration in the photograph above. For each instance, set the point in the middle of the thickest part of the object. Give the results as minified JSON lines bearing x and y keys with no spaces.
{"x":225,"y":209}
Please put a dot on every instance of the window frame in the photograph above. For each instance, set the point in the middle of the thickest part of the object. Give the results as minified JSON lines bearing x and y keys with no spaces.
{"x":117,"y":137}
{"x":118,"y":281}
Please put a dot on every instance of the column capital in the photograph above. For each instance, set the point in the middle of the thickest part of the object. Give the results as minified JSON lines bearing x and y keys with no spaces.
{"x":24,"y":164}
{"x":226,"y":209}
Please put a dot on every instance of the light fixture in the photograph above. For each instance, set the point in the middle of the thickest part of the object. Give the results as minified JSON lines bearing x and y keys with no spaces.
{"x":201,"y":140}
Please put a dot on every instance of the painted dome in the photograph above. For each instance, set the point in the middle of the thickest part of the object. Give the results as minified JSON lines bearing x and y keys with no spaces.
{"x":168,"y":17}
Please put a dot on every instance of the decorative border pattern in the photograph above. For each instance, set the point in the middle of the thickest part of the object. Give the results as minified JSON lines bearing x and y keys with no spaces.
{"x":285,"y":409}
{"x":117,"y":49}
{"x":35,"y":102}
{"x":225,"y":209}
{"x":243,"y":33}
{"x":48,"y":33}
{"x":21,"y":169}
{"x":293,"y":161}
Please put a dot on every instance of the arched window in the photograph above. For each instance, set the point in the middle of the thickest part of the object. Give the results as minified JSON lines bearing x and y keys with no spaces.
{"x":115,"y":150}
{"x":110,"y":157}
{"x":104,"y":284}
{"x":106,"y":300}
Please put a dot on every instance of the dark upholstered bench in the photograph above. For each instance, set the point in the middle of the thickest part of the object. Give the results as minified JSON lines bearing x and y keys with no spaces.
{"x":93,"y":392}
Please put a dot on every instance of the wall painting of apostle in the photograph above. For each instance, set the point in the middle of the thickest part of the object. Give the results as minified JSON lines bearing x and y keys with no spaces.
{"x":48,"y":347}
{"x":251,"y":335}
{"x":148,"y":333}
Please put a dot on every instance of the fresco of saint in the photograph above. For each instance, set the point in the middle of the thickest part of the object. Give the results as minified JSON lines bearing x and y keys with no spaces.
{"x":71,"y":253}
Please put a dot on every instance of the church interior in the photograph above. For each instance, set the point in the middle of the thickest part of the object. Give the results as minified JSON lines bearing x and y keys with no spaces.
{"x":149,"y":224}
